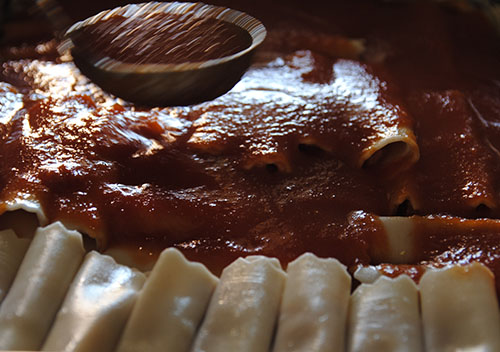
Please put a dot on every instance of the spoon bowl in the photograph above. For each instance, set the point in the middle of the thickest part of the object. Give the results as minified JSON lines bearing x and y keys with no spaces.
{"x":166,"y":84}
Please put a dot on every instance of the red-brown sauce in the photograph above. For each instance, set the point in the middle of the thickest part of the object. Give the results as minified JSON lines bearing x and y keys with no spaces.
{"x":441,"y":241}
{"x":162,"y":38}
{"x":276,"y":166}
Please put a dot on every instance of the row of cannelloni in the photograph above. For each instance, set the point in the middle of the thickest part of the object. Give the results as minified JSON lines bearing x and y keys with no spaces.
{"x":63,"y":299}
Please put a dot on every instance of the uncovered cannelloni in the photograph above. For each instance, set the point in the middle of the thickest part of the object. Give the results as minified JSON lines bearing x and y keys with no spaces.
{"x":314,"y":306}
{"x":316,"y":312}
{"x":460,"y":309}
{"x":384,"y":316}
{"x":170,"y":307}
{"x":96,"y":307}
{"x":243,"y":310}
{"x":27,"y":312}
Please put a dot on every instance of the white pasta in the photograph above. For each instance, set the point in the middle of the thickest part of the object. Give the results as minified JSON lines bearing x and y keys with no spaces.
{"x":460,"y":309}
{"x":170,"y":307}
{"x":384,"y":316}
{"x":244,"y":307}
{"x":96,"y":307}
{"x":12,"y":250}
{"x":366,"y":274}
{"x":314,"y":307}
{"x":399,"y":150}
{"x":400,"y":241}
{"x":39,"y":287}
{"x":28,"y":205}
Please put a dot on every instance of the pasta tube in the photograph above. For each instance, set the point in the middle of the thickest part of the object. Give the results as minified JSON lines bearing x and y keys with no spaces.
{"x":460,"y":309}
{"x":244,"y":308}
{"x":170,"y":307}
{"x":39,"y":287}
{"x":314,"y":306}
{"x":96,"y":307}
{"x":384,"y":316}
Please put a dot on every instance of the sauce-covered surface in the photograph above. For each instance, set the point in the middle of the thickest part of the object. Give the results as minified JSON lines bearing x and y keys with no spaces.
{"x":161,"y":38}
{"x":405,"y":125}
{"x":433,"y":241}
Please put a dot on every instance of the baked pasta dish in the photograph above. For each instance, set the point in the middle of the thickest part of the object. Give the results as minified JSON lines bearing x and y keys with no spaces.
{"x":359,"y":152}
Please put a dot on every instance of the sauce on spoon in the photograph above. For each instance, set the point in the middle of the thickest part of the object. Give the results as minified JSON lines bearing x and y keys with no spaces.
{"x":165,"y":54}
{"x":163,"y":38}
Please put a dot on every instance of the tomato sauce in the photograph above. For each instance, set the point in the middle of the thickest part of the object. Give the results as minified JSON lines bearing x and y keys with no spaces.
{"x":162,"y":39}
{"x":275,"y":166}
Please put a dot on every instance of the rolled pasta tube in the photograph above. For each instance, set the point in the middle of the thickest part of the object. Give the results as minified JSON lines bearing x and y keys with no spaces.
{"x":170,"y":307}
{"x":391,"y":239}
{"x":399,"y":150}
{"x":358,"y":97}
{"x":463,"y":164}
{"x":384,"y":316}
{"x":243,"y":310}
{"x":314,"y":307}
{"x":415,"y":239}
{"x":400,"y":241}
{"x":39,"y":287}
{"x":96,"y":307}
{"x":460,"y":309}
{"x":12,"y":250}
